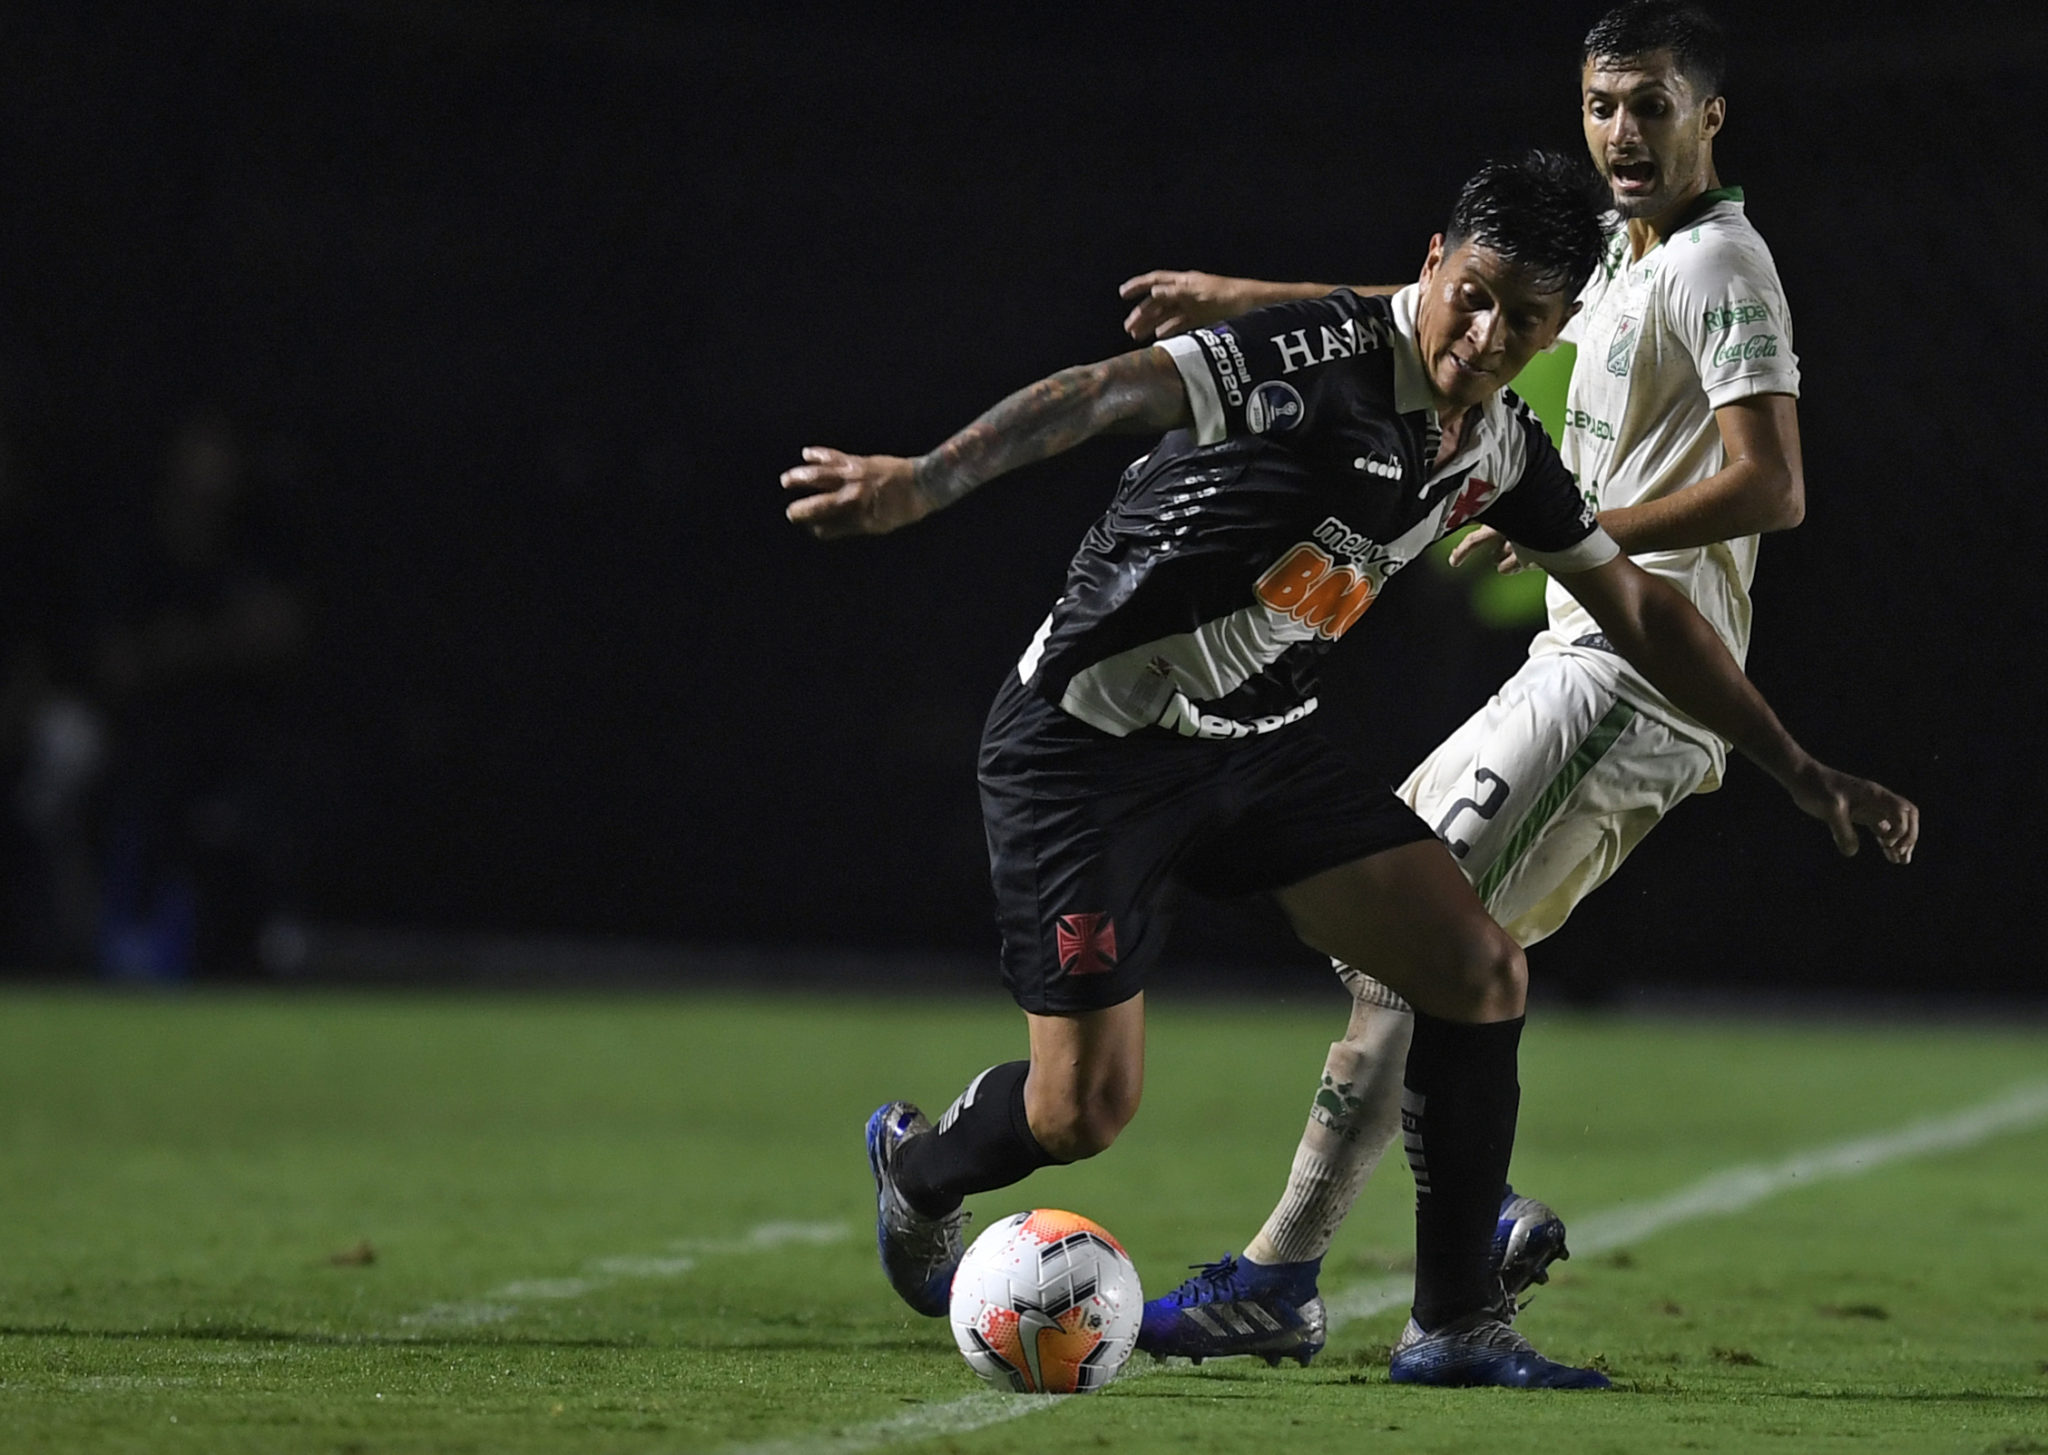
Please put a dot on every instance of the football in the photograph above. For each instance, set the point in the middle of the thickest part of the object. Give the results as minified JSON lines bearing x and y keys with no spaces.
{"x":1046,"y":1302}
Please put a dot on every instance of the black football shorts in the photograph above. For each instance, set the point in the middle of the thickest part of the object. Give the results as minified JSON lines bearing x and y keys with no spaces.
{"x":1089,"y":837}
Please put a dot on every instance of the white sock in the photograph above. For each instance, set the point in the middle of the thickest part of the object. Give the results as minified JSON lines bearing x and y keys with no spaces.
{"x":1354,"y":1119}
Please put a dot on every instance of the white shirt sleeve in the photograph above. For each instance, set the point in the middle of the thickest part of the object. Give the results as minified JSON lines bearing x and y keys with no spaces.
{"x":1596,"y":549}
{"x":1724,"y":300}
{"x":1203,"y":400}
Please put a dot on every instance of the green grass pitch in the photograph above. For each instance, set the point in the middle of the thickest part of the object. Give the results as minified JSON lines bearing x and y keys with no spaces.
{"x":392,"y":1224}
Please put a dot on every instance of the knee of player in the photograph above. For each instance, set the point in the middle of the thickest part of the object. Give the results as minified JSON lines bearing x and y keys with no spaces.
{"x":1506,"y":977}
{"x":1491,"y":975}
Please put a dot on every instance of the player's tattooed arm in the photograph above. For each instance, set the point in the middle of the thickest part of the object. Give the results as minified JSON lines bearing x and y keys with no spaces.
{"x":873,"y":494}
{"x":1141,"y":390}
{"x":1169,"y":301}
{"x":1664,"y":635}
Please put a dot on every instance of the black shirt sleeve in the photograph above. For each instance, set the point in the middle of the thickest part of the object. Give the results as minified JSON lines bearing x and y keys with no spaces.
{"x":1288,"y":372}
{"x":1544,"y":514}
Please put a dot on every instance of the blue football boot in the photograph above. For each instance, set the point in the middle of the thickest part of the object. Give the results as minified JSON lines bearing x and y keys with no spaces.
{"x":1235,"y":1306}
{"x":1528,"y":1238}
{"x":920,"y":1254}
{"x":1482,"y":1349}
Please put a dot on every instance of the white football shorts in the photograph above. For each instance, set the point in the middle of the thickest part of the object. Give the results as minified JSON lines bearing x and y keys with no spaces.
{"x":1544,"y":791}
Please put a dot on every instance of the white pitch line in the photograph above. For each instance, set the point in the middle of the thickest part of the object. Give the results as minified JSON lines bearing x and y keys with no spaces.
{"x":503,"y":1302}
{"x":1739,"y":1188}
{"x":955,"y":1417}
{"x":1730,"y":1191}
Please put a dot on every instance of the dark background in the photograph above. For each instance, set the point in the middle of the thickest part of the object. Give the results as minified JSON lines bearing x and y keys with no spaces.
{"x":521,"y":308}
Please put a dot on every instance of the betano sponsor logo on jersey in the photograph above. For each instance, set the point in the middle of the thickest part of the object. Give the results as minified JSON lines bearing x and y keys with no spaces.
{"x":1352,"y":337}
{"x":1756,"y":346}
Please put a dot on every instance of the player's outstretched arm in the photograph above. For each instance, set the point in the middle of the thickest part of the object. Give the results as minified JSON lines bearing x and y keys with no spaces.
{"x":843,"y":495}
{"x":1167,"y":301}
{"x":1660,"y":631}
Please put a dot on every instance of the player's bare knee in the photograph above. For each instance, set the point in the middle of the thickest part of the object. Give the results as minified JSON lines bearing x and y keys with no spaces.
{"x":1504,"y":978}
{"x":1488,"y":979}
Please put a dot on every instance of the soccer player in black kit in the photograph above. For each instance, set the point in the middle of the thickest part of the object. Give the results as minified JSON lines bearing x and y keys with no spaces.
{"x":1148,"y":738}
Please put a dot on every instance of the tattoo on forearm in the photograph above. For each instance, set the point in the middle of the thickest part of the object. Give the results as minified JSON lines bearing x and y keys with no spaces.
{"x":1052,"y":416}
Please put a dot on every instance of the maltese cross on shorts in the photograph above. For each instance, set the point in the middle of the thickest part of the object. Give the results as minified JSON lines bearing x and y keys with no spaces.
{"x":1087,"y":943}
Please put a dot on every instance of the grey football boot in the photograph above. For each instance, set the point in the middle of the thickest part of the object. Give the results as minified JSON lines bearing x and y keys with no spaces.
{"x":1527,"y":1239}
{"x":1482,"y":1349}
{"x":920,"y":1254}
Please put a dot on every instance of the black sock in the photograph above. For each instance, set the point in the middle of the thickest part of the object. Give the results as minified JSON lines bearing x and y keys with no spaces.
{"x":983,"y":1142}
{"x":1458,"y":1121}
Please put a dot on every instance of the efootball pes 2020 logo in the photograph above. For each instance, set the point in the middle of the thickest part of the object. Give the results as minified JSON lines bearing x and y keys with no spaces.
{"x":1087,"y":943}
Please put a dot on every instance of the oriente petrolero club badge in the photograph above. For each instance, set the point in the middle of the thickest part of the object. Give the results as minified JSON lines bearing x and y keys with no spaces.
{"x":1621,"y":351}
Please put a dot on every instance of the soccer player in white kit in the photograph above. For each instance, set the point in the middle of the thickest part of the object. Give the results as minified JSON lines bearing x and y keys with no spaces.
{"x":1682,"y":430}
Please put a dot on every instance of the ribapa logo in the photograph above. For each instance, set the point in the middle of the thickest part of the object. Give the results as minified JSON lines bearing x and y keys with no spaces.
{"x":1734,"y":315}
{"x":1273,"y":408}
{"x":1308,"y":585}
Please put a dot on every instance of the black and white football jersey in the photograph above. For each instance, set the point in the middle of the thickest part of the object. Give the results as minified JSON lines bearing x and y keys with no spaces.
{"x":1236,"y":553}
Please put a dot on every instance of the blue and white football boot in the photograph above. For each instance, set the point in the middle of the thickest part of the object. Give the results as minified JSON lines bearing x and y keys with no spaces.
{"x":1482,"y":1349}
{"x":1236,"y":1306}
{"x":920,"y":1254}
{"x":1528,"y":1238}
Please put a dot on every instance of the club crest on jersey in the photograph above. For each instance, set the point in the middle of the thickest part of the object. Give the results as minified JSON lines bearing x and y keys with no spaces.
{"x":1621,"y":349}
{"x":1087,"y":943}
{"x":1475,"y":497}
{"x":1273,"y":408}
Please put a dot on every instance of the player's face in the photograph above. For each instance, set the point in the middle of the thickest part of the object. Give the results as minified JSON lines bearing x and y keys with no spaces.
{"x":1479,"y":319}
{"x":1648,"y":132}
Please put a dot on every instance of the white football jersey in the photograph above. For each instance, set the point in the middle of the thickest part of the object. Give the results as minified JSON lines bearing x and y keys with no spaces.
{"x":1697,"y":322}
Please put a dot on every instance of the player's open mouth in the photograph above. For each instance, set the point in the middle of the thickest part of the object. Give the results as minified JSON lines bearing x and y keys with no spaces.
{"x":1465,"y":366}
{"x":1633,"y":176}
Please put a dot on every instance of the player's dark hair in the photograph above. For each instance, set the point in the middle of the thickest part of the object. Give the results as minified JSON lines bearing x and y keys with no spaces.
{"x":1638,"y":28}
{"x":1539,"y":211}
